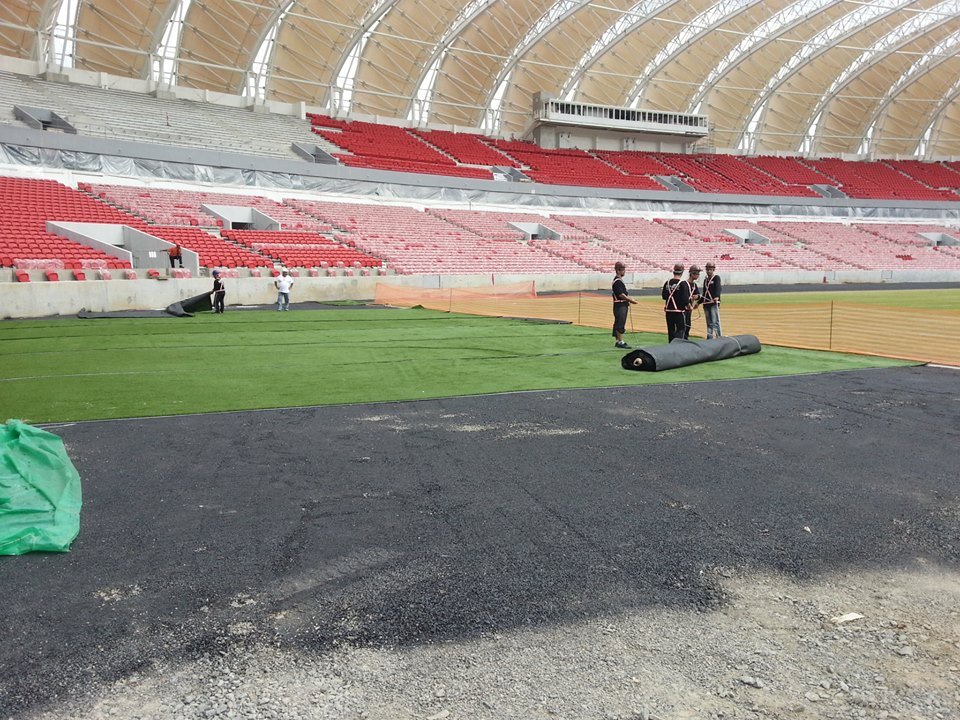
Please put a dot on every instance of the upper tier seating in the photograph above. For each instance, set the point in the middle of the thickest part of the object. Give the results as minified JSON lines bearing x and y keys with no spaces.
{"x":876,"y":180}
{"x":386,"y":147}
{"x":789,"y":170}
{"x":301,"y":249}
{"x":466,"y":148}
{"x":571,"y":167}
{"x":635,"y":162}
{"x":25,"y":207}
{"x":416,"y":242}
{"x":934,"y":174}
{"x":183,"y":207}
{"x":143,"y":118}
{"x":379,"y":141}
{"x":728,"y":174}
{"x":409,"y":166}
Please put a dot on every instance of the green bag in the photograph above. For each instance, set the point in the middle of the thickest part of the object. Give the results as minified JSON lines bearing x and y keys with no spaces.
{"x":39,"y":491}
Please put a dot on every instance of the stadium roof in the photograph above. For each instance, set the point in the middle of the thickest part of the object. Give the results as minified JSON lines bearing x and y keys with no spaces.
{"x":810,"y":76}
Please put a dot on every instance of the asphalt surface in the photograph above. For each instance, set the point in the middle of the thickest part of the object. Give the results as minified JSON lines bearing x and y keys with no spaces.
{"x":389,"y":525}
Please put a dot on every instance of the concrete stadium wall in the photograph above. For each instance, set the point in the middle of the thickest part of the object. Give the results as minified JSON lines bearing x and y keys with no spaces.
{"x":40,"y":298}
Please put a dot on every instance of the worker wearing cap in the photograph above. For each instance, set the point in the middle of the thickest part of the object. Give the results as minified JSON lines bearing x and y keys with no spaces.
{"x":676,"y":299}
{"x":283,"y":284}
{"x":710,"y":299}
{"x":218,"y":293}
{"x":693,"y":276}
{"x":621,"y":304}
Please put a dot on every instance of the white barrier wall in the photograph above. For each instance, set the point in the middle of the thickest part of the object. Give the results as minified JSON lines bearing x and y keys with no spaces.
{"x":40,"y":298}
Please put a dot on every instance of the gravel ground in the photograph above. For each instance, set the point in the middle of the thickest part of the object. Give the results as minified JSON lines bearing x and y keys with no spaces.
{"x":776,"y":649}
{"x":790,"y":548}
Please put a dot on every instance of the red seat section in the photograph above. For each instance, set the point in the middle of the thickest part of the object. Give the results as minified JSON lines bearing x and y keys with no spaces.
{"x":301,"y":249}
{"x":870,"y":246}
{"x":876,"y":181}
{"x":375,"y":163}
{"x":636,"y":163}
{"x":417,"y":242}
{"x":469,"y":155}
{"x":164,"y":206}
{"x":466,"y":148}
{"x":944,"y":176}
{"x":783,"y":251}
{"x":25,"y":207}
{"x":729,"y":174}
{"x":501,"y":225}
{"x":571,"y":167}
{"x":213,"y":251}
{"x":650,"y":245}
{"x":789,"y":170}
{"x":387,"y":147}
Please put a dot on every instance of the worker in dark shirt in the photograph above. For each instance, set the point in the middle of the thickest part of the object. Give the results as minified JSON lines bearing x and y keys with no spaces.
{"x":218,"y":293}
{"x":676,"y":299}
{"x":710,"y":299}
{"x":693,"y":275}
{"x":621,"y":304}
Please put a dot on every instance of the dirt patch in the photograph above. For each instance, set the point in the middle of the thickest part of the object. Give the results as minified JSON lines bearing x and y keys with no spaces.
{"x":772,"y":651}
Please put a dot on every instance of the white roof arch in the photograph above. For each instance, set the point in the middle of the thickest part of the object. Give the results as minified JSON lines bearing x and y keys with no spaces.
{"x":787,"y":76}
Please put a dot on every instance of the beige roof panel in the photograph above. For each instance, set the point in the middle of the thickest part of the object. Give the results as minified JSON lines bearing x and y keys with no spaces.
{"x":771,"y":75}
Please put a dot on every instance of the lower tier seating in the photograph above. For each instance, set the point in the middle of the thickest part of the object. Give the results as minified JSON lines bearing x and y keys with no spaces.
{"x":453,"y":240}
{"x":301,"y":249}
{"x":25,"y":207}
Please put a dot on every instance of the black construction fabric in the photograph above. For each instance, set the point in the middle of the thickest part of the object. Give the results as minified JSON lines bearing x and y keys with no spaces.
{"x":681,"y":353}
{"x":195,"y":304}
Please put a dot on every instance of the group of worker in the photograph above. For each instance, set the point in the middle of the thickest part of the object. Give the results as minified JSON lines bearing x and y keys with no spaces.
{"x":680,"y":298}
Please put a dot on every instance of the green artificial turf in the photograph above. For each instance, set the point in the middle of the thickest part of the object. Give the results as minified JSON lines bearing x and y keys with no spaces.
{"x":71,"y":369}
{"x":943,"y":299}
